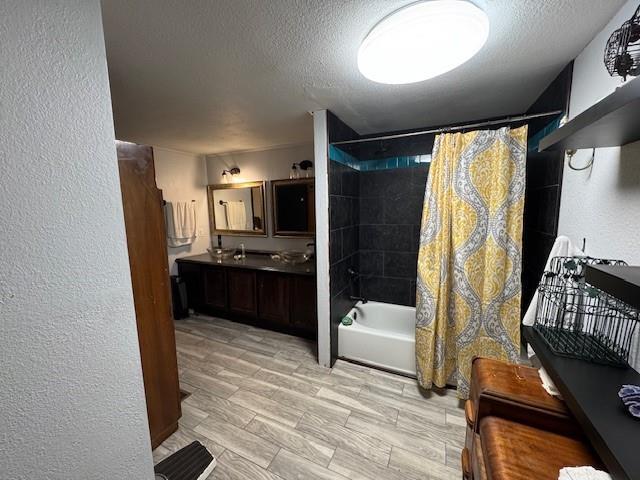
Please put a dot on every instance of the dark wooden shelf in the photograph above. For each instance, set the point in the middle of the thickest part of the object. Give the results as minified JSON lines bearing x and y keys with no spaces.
{"x":619,"y":281}
{"x":591,"y":393}
{"x":613,"y":121}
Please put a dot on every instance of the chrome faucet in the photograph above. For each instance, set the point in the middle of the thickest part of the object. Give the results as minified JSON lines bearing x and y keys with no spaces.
{"x":354,"y":274}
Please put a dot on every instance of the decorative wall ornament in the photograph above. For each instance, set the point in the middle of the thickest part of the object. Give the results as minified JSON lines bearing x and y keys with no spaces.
{"x":622,"y":53}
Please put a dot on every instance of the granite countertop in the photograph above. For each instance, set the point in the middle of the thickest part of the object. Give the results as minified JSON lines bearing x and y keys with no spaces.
{"x":254,"y":261}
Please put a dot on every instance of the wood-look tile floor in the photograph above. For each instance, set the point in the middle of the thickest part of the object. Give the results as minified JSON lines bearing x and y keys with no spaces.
{"x":267,"y":411}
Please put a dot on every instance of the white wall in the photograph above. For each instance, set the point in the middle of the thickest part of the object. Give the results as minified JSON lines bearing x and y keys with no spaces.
{"x":321,"y":162}
{"x":71,"y":391}
{"x":274,"y":164}
{"x":602,"y":204}
{"x":182,"y":176}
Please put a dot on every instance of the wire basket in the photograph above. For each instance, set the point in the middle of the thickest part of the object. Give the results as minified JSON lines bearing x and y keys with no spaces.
{"x":578,"y":320}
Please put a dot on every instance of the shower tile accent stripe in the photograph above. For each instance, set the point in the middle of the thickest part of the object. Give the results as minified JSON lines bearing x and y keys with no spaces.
{"x":340,"y":156}
{"x":534,"y":140}
{"x":394,"y":162}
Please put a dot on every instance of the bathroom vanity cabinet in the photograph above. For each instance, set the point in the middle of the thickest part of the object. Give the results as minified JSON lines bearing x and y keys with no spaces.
{"x":257,"y":289}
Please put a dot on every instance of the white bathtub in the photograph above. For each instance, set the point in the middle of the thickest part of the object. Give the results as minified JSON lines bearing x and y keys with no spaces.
{"x":382,"y":335}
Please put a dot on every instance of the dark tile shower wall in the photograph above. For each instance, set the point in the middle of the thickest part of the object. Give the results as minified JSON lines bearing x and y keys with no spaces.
{"x":544,"y":187}
{"x":344,"y":213}
{"x":390,"y":215}
{"x":343,"y":230}
{"x":541,"y":212}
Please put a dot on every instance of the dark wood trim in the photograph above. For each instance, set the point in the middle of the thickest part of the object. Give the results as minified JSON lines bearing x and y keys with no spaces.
{"x":148,"y":262}
{"x":163,"y":434}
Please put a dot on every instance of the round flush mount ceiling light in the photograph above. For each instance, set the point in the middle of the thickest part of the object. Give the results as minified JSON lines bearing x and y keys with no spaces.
{"x":422,"y":41}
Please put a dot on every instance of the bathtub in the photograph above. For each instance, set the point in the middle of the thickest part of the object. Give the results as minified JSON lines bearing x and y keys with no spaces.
{"x":382,"y":335}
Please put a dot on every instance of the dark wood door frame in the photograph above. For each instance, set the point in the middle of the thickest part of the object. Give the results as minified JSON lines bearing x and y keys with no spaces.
{"x":148,"y":262}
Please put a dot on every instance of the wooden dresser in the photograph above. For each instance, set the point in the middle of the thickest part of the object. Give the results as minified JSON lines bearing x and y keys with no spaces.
{"x":144,"y":222}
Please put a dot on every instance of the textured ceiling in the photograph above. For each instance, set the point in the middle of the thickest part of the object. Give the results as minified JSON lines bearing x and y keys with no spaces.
{"x":212,"y":76}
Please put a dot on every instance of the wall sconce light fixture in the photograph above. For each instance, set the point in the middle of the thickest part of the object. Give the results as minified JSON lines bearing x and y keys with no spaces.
{"x":305,"y":165}
{"x":231,"y":171}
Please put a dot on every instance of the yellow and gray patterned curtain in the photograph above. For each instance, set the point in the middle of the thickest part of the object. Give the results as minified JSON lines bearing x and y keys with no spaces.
{"x":469,"y":263}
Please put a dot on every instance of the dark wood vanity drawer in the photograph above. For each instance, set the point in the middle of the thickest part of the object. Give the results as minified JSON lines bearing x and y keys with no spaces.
{"x":242,"y":291}
{"x":273,"y":297}
{"x":215,"y":288}
{"x":303,"y":304}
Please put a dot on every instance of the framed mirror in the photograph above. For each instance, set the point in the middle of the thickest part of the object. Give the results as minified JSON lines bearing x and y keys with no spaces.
{"x":294,"y":208}
{"x":237,"y":209}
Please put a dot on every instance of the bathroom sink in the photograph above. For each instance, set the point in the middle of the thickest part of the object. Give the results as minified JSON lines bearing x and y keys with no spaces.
{"x":293,"y":257}
{"x":218,"y":253}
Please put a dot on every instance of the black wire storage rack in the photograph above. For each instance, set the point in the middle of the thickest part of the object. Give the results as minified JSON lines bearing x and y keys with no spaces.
{"x":578,"y":320}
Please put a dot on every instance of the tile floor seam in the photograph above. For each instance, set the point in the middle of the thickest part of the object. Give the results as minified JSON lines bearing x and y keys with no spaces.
{"x":274,"y":457}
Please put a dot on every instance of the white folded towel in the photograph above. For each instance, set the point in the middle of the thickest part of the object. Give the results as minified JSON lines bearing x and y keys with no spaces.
{"x":548,"y":384}
{"x":180,"y":218}
{"x":582,"y":473}
{"x":236,"y":215}
{"x":563,"y":247}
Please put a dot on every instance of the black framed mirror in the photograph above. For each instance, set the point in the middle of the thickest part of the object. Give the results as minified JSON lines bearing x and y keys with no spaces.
{"x":294,"y":208}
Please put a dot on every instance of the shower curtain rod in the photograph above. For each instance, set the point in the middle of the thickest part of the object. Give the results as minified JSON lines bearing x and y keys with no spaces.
{"x":485,"y":123}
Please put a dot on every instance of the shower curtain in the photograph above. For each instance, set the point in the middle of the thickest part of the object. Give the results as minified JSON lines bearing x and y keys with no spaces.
{"x":469,"y":262}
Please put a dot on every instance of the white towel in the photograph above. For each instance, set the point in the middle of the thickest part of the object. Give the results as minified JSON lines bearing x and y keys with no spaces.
{"x":563,"y":247}
{"x":548,"y":384}
{"x":236,"y":215}
{"x":181,"y":223}
{"x":582,"y":473}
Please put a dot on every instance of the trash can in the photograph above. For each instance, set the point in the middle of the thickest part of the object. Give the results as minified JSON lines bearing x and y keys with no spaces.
{"x":179,"y":297}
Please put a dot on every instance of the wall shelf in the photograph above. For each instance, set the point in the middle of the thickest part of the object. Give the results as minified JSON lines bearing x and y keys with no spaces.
{"x":620,"y":281}
{"x":613,"y":121}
